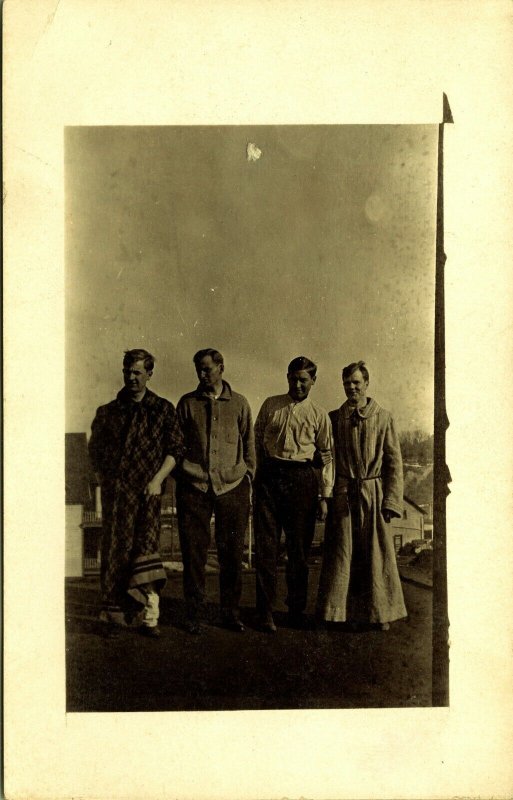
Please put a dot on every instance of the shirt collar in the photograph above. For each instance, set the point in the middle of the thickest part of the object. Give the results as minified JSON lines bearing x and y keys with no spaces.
{"x":293,"y":402}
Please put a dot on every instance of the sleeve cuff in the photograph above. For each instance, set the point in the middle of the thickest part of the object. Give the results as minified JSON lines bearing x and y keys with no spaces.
{"x":395,"y":508}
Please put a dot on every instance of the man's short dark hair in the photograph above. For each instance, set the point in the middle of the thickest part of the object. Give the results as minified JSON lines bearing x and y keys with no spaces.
{"x":131,"y":356}
{"x":302,"y":363}
{"x":348,"y":371}
{"x":215,"y":355}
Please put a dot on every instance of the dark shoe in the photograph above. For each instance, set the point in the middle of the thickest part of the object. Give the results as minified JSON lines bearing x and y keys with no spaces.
{"x":267,"y":624}
{"x":233,"y":624}
{"x":298,"y":621}
{"x":150,"y":633}
{"x":110,"y":630}
{"x":194,"y":627}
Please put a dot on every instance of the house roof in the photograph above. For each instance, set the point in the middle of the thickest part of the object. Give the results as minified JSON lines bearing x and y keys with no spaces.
{"x":78,"y":471}
{"x":412,"y":503}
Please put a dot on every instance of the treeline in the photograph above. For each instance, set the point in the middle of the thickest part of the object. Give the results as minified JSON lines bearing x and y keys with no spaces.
{"x":416,"y":447}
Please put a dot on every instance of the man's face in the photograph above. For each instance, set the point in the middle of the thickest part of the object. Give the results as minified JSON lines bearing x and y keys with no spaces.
{"x":355,"y":387}
{"x":136,"y":377}
{"x":209,"y":373}
{"x":300,"y":383}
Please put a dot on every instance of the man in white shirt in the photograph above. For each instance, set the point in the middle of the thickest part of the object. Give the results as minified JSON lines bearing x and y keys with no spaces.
{"x":290,"y":493}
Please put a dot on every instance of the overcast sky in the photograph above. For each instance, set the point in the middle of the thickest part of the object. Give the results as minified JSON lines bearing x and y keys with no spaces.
{"x":324,"y":246}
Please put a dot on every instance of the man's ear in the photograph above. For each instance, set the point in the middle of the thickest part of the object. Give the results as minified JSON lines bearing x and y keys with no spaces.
{"x":150,"y":373}
{"x":314,"y":378}
{"x":221,"y":367}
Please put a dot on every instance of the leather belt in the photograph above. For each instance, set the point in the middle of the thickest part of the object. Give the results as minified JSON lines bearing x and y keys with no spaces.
{"x":359,"y":480}
{"x":287,"y":463}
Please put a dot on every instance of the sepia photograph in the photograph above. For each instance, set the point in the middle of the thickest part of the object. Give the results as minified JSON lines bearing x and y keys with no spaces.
{"x":257,"y":349}
{"x":249,"y":416}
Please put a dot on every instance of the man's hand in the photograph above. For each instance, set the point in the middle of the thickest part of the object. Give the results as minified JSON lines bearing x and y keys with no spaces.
{"x":321,"y":458}
{"x":322,"y":509}
{"x":387,"y":514}
{"x":153,"y":488}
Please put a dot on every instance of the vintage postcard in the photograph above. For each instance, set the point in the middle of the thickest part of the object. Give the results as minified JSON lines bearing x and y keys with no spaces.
{"x":222,"y":190}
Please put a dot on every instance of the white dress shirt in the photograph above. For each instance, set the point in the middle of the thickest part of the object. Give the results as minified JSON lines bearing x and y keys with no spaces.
{"x":293,"y":431}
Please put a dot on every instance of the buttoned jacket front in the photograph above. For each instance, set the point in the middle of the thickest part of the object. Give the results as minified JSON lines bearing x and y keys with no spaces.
{"x":219,"y":439}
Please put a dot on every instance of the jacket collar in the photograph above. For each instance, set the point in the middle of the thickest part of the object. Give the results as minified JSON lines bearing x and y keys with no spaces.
{"x":226,"y":393}
{"x":367,"y":411}
{"x":123,"y":396}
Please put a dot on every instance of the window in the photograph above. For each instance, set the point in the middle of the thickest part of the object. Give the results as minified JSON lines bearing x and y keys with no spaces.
{"x":91,"y":542}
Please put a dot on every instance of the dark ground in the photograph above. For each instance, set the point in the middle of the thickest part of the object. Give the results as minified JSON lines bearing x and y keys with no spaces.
{"x":223,"y":670}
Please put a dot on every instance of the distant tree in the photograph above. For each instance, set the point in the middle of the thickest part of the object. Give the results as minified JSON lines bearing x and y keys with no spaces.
{"x":426,"y":450}
{"x":416,"y":446}
{"x":418,"y":484}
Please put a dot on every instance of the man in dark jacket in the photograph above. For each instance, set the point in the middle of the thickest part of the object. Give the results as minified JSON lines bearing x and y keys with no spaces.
{"x":135,"y":443}
{"x":214,"y":478}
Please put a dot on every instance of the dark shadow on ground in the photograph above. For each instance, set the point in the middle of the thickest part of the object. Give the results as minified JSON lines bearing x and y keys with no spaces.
{"x":222,"y":670}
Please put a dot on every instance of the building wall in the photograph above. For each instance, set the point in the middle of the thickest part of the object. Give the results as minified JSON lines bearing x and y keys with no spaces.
{"x":410,"y":527}
{"x":74,"y":542}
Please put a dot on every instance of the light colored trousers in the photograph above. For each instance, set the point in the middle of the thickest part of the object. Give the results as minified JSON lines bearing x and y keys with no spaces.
{"x":150,"y":615}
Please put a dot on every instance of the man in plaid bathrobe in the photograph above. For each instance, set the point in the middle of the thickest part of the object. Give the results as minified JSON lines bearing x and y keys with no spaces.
{"x":135,"y":443}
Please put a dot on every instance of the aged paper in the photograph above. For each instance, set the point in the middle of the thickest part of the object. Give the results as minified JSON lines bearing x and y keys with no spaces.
{"x":80,"y":62}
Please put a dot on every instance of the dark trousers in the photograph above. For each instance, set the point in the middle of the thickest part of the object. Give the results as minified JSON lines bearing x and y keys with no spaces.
{"x":194,"y":512}
{"x":285,"y":499}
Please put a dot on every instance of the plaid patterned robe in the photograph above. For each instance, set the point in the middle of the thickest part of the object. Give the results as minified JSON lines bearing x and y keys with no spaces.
{"x":129,"y":442}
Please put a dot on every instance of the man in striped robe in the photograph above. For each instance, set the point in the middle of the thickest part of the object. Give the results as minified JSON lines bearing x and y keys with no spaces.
{"x":135,"y":443}
{"x":359,"y":579}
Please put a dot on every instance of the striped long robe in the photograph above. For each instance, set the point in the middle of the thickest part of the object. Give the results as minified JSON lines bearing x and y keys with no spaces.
{"x":359,"y":577}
